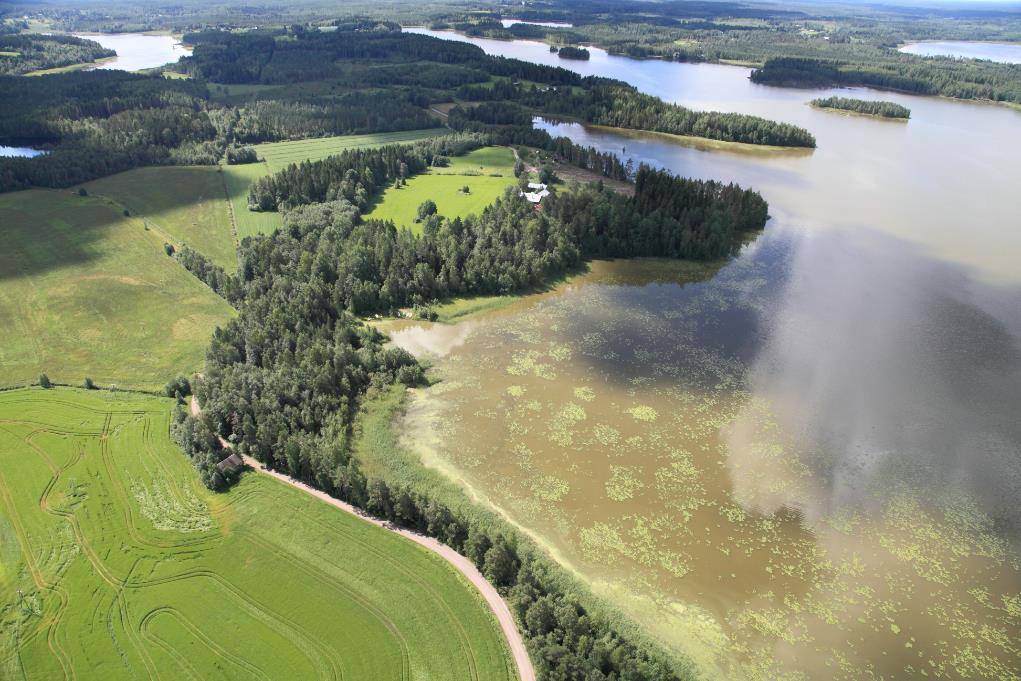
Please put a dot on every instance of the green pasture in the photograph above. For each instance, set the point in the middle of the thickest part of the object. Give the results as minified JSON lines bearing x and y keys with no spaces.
{"x":188,"y":203}
{"x":86,"y":291}
{"x":116,"y":564}
{"x":278,"y":155}
{"x":487,"y":172}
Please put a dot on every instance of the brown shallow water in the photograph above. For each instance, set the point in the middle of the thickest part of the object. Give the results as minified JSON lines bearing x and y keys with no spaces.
{"x":801,"y":463}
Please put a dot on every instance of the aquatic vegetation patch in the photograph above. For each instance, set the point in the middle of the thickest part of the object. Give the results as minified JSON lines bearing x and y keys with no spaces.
{"x":643,"y":413}
{"x":623,"y":483}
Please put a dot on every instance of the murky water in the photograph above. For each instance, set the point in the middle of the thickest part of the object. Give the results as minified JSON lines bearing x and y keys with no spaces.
{"x":1008,"y":53}
{"x":804,"y":462}
{"x":137,"y":51}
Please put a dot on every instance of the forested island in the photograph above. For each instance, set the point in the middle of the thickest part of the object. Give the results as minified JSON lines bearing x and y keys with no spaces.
{"x":863,"y":106}
{"x":571,"y":52}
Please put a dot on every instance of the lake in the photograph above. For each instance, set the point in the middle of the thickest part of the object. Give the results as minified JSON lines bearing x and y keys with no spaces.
{"x":22,"y":152}
{"x":805,"y":460}
{"x":137,"y":51}
{"x":507,"y":23}
{"x":1006,"y":53}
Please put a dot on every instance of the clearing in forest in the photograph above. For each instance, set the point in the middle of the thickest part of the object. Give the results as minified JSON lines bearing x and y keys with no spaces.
{"x":486,"y":172}
{"x":86,"y":291}
{"x":185,"y":202}
{"x":116,"y":563}
{"x":278,"y":155}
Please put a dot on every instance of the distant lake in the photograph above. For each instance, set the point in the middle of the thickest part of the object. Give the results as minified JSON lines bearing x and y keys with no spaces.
{"x":1002,"y":52}
{"x":137,"y":51}
{"x":21,"y":152}
{"x":507,"y":23}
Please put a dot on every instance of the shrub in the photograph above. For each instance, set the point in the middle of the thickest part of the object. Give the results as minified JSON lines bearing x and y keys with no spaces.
{"x":44,"y":381}
{"x":82,"y":192}
{"x":180,"y":386}
{"x":168,"y":248}
{"x":88,"y":384}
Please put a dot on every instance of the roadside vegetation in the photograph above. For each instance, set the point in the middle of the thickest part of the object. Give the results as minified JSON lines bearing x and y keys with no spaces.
{"x":103,"y":514}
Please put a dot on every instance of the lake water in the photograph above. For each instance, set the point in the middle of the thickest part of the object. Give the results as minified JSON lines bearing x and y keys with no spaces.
{"x":804,"y":462}
{"x":507,"y":23}
{"x":22,"y":152}
{"x":1002,"y":52}
{"x":137,"y":51}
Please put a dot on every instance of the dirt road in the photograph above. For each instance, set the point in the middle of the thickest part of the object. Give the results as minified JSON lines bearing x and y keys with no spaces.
{"x":467,"y":568}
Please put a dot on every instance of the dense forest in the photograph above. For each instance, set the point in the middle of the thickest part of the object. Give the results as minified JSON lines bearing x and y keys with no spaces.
{"x":863,"y":106}
{"x":21,"y":54}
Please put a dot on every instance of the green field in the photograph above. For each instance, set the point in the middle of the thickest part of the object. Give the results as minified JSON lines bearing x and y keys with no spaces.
{"x":116,"y":564}
{"x":188,"y":203}
{"x":279,"y":155}
{"x":443,"y":185}
{"x":85,"y":291}
{"x":237,"y":180}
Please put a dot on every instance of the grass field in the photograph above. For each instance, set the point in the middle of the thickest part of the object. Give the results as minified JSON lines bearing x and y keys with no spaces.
{"x":443,"y":185}
{"x":116,"y":564}
{"x":188,"y":203}
{"x":237,"y":179}
{"x":85,"y":291}
{"x":279,"y":155}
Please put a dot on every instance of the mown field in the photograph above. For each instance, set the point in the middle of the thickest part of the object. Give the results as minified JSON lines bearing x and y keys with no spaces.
{"x":487,"y":172}
{"x":86,"y":291}
{"x":237,"y":179}
{"x":188,"y":203}
{"x":116,"y":564}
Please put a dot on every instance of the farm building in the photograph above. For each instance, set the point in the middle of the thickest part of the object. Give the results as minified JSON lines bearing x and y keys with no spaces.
{"x":537,"y":192}
{"x":231,"y":464}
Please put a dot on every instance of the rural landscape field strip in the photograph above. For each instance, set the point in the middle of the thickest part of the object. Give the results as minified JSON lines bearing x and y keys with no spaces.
{"x":114,"y":531}
{"x":278,"y":155}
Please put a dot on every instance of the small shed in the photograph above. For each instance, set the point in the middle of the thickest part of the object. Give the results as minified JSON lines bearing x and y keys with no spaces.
{"x":231,"y":464}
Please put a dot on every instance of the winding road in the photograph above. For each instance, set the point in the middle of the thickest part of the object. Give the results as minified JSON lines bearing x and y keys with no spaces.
{"x":526,"y":672}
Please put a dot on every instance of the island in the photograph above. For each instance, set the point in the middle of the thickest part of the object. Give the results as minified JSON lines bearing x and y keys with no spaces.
{"x":570,"y":52}
{"x":863,"y":107}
